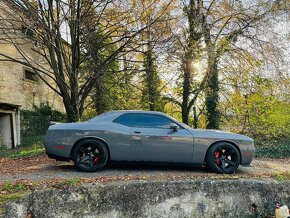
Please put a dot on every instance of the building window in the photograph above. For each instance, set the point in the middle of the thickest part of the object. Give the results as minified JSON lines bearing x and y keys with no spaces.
{"x":27,"y":31}
{"x":30,"y":75}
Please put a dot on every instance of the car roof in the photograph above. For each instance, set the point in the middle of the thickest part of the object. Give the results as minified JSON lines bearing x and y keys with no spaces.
{"x":136,"y":111}
{"x":112,"y":115}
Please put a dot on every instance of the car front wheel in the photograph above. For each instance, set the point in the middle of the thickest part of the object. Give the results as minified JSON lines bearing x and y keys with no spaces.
{"x":90,"y":155}
{"x":223,"y":157}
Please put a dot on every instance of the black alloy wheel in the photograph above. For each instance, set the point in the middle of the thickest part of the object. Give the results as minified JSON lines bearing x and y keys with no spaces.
{"x":90,"y":155}
{"x":223,"y":157}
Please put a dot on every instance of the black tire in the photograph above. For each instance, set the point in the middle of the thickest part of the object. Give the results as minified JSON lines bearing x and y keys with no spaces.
{"x":223,"y":157}
{"x":90,"y":155}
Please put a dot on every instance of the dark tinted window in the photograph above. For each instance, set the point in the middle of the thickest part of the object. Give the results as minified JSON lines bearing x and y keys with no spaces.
{"x":125,"y":119}
{"x":150,"y":120}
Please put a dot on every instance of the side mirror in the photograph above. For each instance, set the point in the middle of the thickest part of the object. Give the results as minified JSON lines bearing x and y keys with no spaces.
{"x":174,"y":127}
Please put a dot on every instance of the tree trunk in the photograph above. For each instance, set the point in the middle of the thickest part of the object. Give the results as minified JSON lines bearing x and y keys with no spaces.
{"x":195,"y":118}
{"x":193,"y":16}
{"x":102,"y":104}
{"x":186,"y":89}
{"x":211,"y":94}
{"x":151,"y":95}
{"x":71,"y":109}
{"x":150,"y":84}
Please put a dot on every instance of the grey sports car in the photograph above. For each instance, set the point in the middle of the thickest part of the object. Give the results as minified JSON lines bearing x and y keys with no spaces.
{"x":148,"y":137}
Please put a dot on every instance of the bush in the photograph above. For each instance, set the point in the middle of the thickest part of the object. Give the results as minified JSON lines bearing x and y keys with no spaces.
{"x":31,"y":140}
{"x":273,"y":148}
{"x":34,"y":123}
{"x":258,"y":110}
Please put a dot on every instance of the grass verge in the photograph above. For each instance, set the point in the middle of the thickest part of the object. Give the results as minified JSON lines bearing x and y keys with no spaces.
{"x":36,"y":148}
{"x":281,"y":176}
{"x":10,"y":192}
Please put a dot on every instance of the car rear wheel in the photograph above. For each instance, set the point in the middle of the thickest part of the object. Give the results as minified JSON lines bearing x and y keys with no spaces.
{"x":223,"y":157}
{"x":90,"y":155}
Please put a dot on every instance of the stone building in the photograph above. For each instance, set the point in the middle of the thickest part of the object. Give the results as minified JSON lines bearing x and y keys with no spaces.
{"x":20,"y":88}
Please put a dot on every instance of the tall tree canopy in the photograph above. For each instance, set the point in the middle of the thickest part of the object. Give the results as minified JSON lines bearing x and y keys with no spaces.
{"x":59,"y":30}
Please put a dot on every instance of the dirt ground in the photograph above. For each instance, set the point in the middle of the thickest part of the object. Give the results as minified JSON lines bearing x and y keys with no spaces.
{"x":41,"y":168}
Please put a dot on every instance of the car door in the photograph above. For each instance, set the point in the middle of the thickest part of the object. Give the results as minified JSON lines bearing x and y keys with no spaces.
{"x":120,"y":141}
{"x":153,"y":140}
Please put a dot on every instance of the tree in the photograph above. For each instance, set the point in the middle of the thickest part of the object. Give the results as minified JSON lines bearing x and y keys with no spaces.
{"x":63,"y":54}
{"x":215,"y":32}
{"x":192,"y":53}
{"x":189,"y":51}
{"x":257,"y":109}
{"x":151,"y":96}
{"x":224,"y":23}
{"x":153,"y":42}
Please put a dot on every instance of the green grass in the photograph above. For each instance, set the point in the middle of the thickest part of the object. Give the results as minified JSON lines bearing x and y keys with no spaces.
{"x":9,"y":187}
{"x":71,"y":182}
{"x":34,"y":148}
{"x":11,"y":191}
{"x":281,"y":176}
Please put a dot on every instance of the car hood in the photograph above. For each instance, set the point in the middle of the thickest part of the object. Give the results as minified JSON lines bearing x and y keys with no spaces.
{"x":218,"y":134}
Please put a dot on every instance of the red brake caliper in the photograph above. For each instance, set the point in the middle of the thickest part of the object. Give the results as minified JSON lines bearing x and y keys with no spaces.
{"x":96,"y":160}
{"x":216,"y":157}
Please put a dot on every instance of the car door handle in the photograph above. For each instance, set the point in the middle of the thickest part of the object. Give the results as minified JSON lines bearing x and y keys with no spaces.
{"x":137,"y":132}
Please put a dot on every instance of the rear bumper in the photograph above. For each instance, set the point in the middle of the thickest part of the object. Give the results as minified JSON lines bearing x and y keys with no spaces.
{"x":58,"y":158}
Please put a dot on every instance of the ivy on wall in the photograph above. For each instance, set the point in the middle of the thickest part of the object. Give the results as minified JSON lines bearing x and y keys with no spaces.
{"x":35,"y":122}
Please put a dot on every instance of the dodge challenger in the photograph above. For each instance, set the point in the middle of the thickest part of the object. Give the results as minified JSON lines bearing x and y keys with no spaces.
{"x":148,"y":137}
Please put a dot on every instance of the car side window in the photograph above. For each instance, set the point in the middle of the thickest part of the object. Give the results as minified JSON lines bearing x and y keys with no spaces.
{"x":125,"y":119}
{"x":150,"y":120}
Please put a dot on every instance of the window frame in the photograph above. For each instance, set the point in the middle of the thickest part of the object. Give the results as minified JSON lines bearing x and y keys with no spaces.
{"x":27,"y":31}
{"x":130,"y":125}
{"x":25,"y":69}
{"x":137,"y":126}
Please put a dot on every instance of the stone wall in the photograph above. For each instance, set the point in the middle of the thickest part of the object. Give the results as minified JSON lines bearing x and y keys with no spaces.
{"x":192,"y":198}
{"x":16,"y":90}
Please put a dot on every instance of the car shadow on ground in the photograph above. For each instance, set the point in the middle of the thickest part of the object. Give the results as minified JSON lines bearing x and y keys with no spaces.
{"x":139,"y":166}
{"x":134,"y":168}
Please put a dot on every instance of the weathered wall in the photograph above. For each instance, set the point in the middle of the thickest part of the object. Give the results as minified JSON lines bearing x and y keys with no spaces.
{"x":202,"y":198}
{"x":16,"y":90}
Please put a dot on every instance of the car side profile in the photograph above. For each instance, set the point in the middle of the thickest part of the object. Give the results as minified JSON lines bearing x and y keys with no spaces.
{"x":146,"y":136}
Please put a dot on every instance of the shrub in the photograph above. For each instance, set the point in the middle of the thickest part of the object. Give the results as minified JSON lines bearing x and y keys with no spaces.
{"x":34,"y":123}
{"x":273,"y":148}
